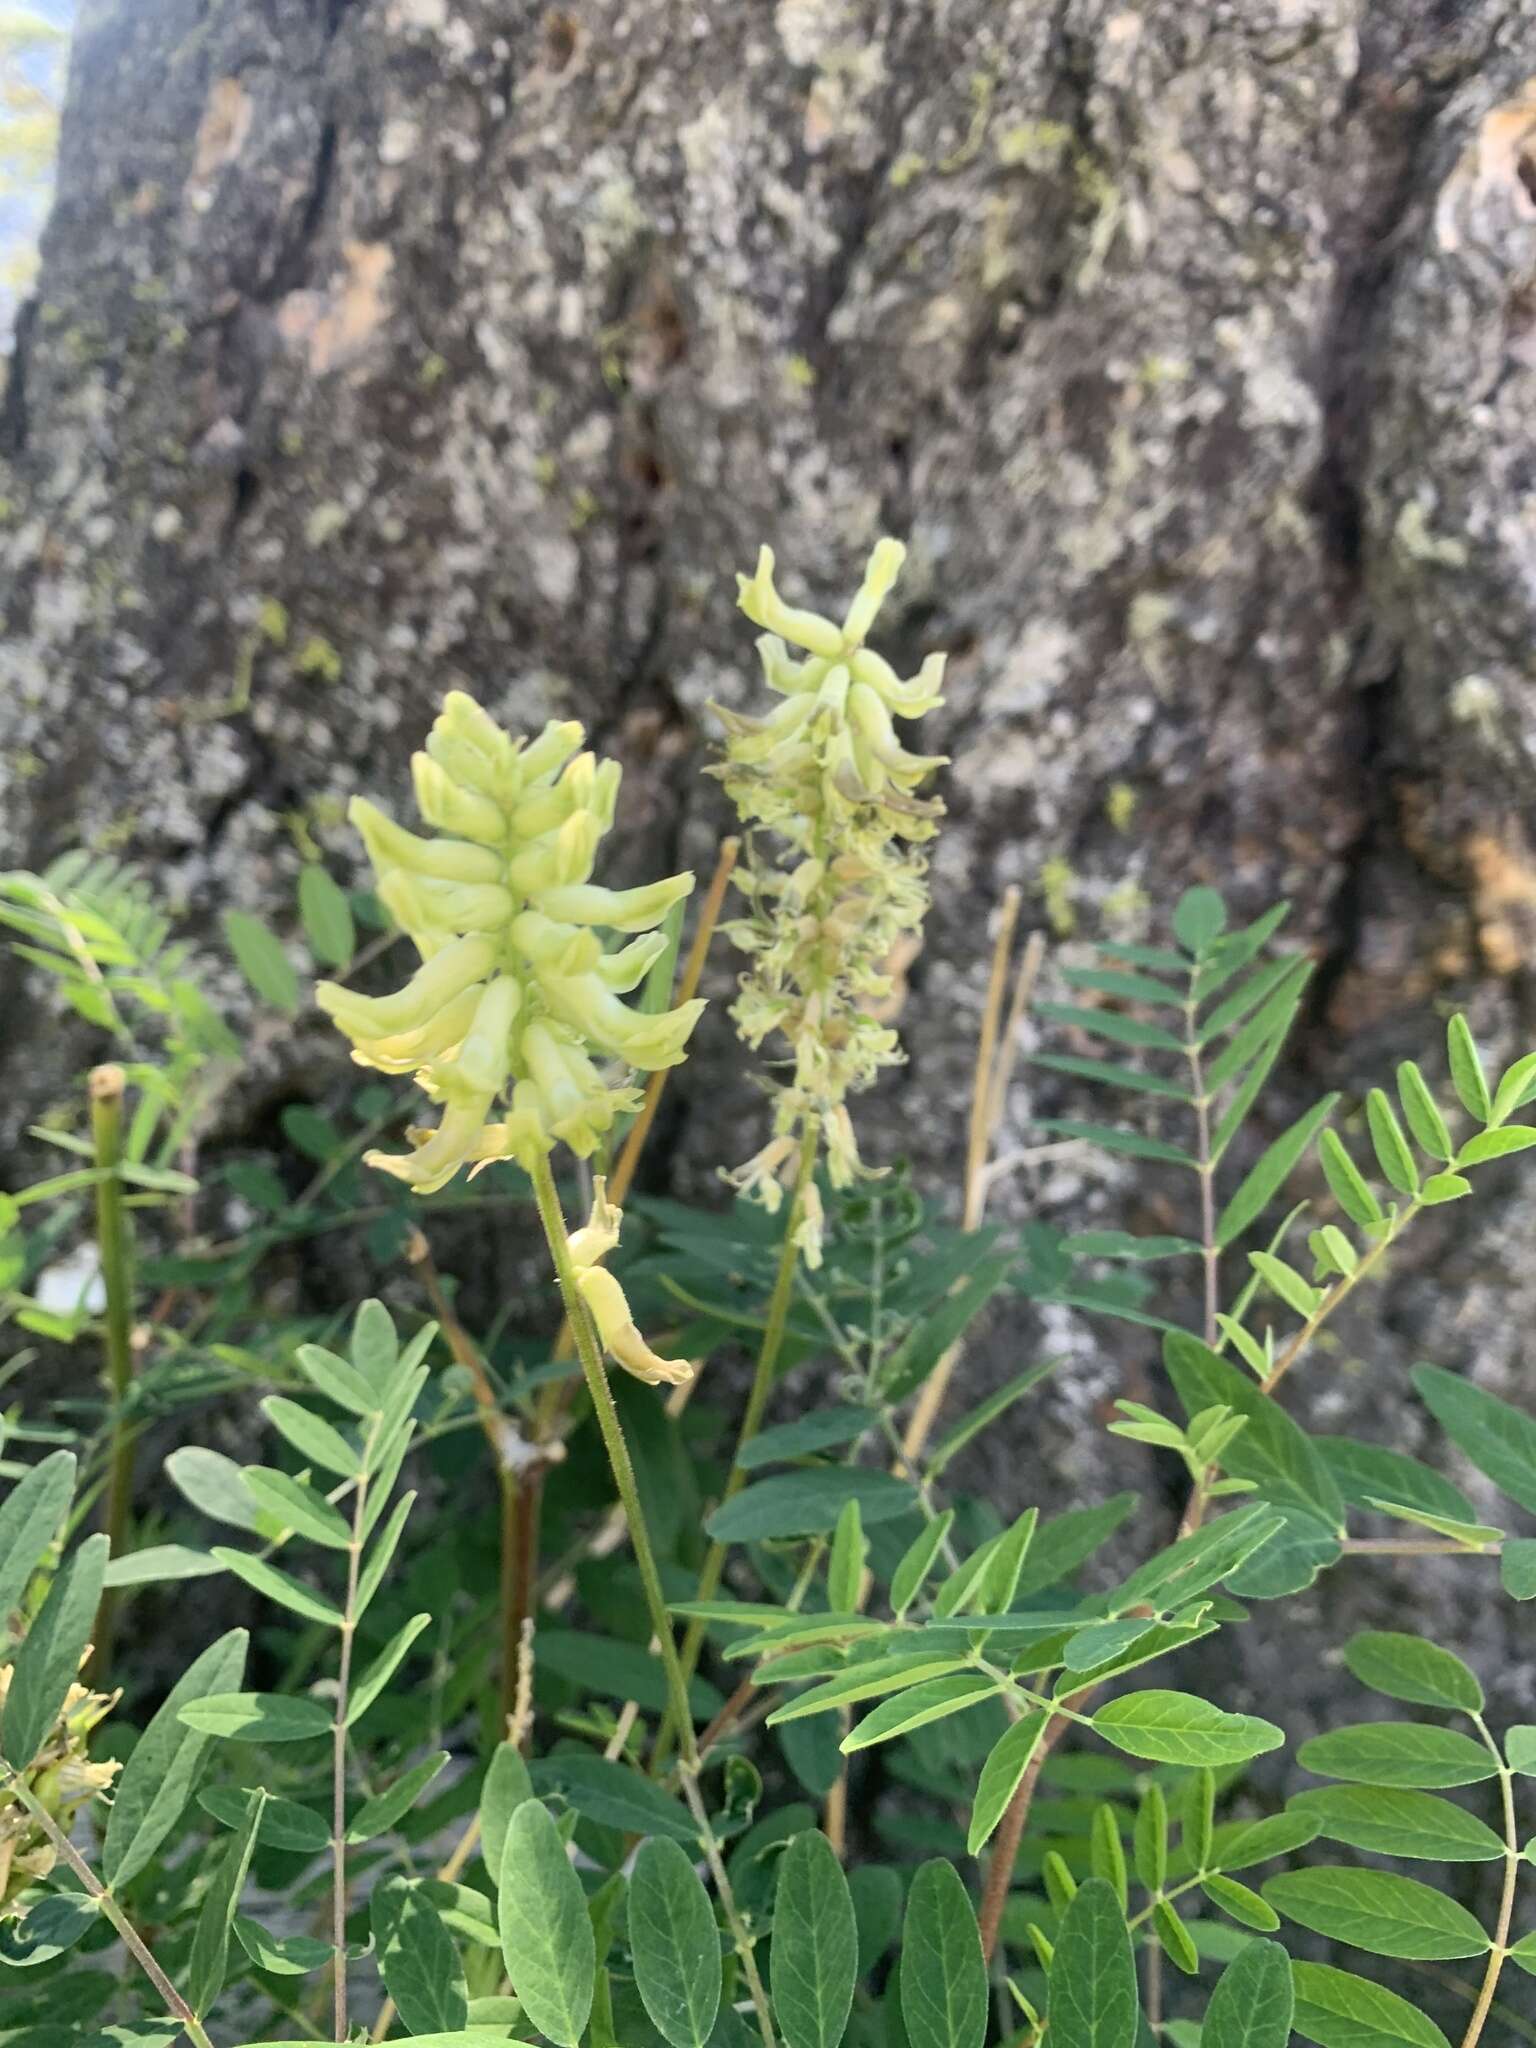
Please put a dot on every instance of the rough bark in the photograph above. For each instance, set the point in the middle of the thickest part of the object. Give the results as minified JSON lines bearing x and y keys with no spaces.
{"x":382,"y":344}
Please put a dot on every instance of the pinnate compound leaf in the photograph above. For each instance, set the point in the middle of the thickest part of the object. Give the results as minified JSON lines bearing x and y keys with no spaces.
{"x":1176,"y":1728}
{"x":815,"y":1945}
{"x":1093,"y":1973}
{"x":546,"y":1934}
{"x":1405,"y":1667}
{"x":1337,"y":2010}
{"x":943,"y":1976}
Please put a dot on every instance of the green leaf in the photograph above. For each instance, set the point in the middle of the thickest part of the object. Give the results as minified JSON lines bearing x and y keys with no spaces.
{"x":868,"y":1681}
{"x":1241,"y":1904}
{"x":927,"y":1341}
{"x":616,"y":1669}
{"x":1287,"y":1283}
{"x":377,"y":1562}
{"x":1102,"y":1641}
{"x":1290,"y":1561}
{"x":808,"y":1503}
{"x":1270,"y":988}
{"x":613,"y":1794}
{"x":1423,"y":1112}
{"x":1120,"y":1244}
{"x":1500,"y":1440}
{"x":1176,"y":1728}
{"x":289,"y":1955}
{"x":1444,"y":1187}
{"x":1475,"y":1535}
{"x":1467,"y":1076}
{"x":215,"y":1485}
{"x":159,"y":1564}
{"x":1271,"y":1450}
{"x":161,"y":1774}
{"x":823,"y":1429}
{"x":1397,"y":1823}
{"x":1149,"y":1842}
{"x":1134,"y":988}
{"x":1199,"y":919}
{"x":1497,"y":1144}
{"x":284,"y":1823}
{"x":1350,"y":1189}
{"x":507,"y":1784}
{"x":985,"y":1413}
{"x":815,"y":1945}
{"x":209,"y":1960}
{"x":1093,"y":2000}
{"x":1066,"y":1541}
{"x":30,"y":1519}
{"x":1378,"y":1911}
{"x":1405,"y":1667}
{"x":1112,"y":1138}
{"x":45,"y":1666}
{"x":845,"y":1568}
{"x":312,"y":1437}
{"x":1337,"y":2010}
{"x":1403,"y":1753}
{"x":1006,"y":1764}
{"x":917,"y":1561}
{"x":546,"y":1936}
{"x":258,"y":1717}
{"x":934,"y":1700}
{"x":260,"y":957}
{"x":1106,"y":1852}
{"x":327,"y":916}
{"x":1239,"y":1844}
{"x":377,"y":1815}
{"x":383,"y":1668}
{"x":51,"y":1926}
{"x":1111,"y":1025}
{"x":1517,"y":1568}
{"x":297,"y":1506}
{"x":943,"y":1977}
{"x":1253,"y":2004}
{"x":1112,"y":1076}
{"x":1365,"y":1472}
{"x":338,"y":1381}
{"x":1270,"y":1172}
{"x":1196,"y":1562}
{"x":1516,"y":1088}
{"x":418,"y":1960}
{"x":876,"y":1892}
{"x":1177,"y":1943}
{"x":272,"y":1584}
{"x":675,"y":1946}
{"x":1392,"y":1153}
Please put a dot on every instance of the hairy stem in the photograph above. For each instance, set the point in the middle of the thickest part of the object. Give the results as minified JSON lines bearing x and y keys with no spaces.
{"x":126,"y":1932}
{"x":1500,"y":1948}
{"x":339,"y":1754}
{"x":740,"y":1934}
{"x":114,"y":1245}
{"x":752,"y":1415}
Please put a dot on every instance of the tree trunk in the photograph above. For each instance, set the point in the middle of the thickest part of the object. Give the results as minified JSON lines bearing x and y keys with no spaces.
{"x":382,"y":345}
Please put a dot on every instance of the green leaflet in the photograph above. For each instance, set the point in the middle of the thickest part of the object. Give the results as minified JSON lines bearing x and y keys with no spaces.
{"x":1399,"y":1823}
{"x":674,"y":1943}
{"x":1500,"y":1440}
{"x":1253,"y":2005}
{"x":44,"y":1667}
{"x":418,"y":1960}
{"x":1378,"y":1911}
{"x":1337,"y":2010}
{"x":1270,"y":1172}
{"x":1404,"y":1753}
{"x":815,"y":1945}
{"x":1176,"y":1728}
{"x":1405,"y":1667}
{"x":161,"y":1774}
{"x":546,"y":1935}
{"x":1092,"y":1988}
{"x":1271,"y":1450}
{"x":943,"y":1977}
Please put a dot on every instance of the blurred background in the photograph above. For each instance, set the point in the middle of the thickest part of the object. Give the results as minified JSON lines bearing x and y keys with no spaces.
{"x":375,"y":347}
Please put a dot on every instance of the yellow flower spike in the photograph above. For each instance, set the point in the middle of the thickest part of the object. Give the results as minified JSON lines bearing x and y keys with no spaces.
{"x":825,"y":774}
{"x":609,"y":1308}
{"x":516,"y":994}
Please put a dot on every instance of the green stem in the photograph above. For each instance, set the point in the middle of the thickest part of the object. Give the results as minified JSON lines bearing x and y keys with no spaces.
{"x":757,"y":1403}
{"x":1500,"y":1948}
{"x":339,"y":1749}
{"x":601,"y":1394}
{"x":115,"y":1251}
{"x":127,"y":1933}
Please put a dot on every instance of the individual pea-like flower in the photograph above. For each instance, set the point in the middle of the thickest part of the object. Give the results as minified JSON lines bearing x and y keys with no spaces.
{"x":61,"y":1778}
{"x":605,"y":1298}
{"x":825,"y":773}
{"x":516,"y":1000}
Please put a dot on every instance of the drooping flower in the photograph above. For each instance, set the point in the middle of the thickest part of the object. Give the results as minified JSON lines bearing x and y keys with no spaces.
{"x":606,"y":1300}
{"x":516,"y":1001}
{"x":826,"y":776}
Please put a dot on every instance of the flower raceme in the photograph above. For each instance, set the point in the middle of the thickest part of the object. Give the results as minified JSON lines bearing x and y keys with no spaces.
{"x":825,"y":773}
{"x":516,"y":999}
{"x":62,"y":1779}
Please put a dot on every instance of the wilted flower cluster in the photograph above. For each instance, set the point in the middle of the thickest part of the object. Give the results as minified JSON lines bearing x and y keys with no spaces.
{"x":61,"y":1779}
{"x":516,"y":997}
{"x":826,"y":774}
